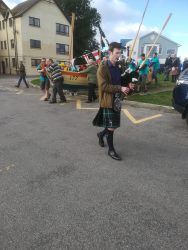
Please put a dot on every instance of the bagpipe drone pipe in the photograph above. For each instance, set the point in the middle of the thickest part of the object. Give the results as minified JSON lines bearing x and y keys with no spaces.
{"x":128,"y":74}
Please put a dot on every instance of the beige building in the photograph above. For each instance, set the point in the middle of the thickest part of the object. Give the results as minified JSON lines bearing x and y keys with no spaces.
{"x":32,"y":30}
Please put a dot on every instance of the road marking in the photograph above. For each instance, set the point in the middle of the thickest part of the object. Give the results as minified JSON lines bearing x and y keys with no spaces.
{"x":7,"y":168}
{"x":133,"y":120}
{"x":19,"y":92}
{"x":125,"y":111}
{"x":79,"y":106}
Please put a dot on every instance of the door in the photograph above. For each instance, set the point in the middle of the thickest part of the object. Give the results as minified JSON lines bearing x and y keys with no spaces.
{"x":3,"y":67}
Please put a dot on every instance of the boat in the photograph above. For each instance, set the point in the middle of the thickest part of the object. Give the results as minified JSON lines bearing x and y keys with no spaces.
{"x":74,"y":81}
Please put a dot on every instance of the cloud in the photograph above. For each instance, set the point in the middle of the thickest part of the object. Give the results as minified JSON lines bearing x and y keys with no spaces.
{"x":119,"y":20}
{"x":12,"y":3}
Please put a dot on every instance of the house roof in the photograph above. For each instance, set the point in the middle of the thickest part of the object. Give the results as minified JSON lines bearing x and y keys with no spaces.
{"x":23,"y":7}
{"x":124,"y":41}
{"x":3,"y":8}
{"x":155,"y":33}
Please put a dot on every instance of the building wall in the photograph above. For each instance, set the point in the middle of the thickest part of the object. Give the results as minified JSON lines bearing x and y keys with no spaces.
{"x":165,"y":46}
{"x":7,"y":55}
{"x":49,"y":14}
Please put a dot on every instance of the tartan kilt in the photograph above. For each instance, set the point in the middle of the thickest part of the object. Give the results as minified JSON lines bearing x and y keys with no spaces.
{"x":107,"y":118}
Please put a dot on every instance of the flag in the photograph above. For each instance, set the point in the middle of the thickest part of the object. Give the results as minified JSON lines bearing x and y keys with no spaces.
{"x":103,"y":37}
{"x":86,"y":57}
{"x":96,"y":55}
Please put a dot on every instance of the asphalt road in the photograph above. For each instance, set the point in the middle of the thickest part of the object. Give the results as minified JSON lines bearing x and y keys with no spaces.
{"x":60,"y":190}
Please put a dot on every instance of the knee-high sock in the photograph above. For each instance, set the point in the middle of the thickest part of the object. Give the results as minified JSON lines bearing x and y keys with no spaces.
{"x":110,"y":136}
{"x":102,"y":133}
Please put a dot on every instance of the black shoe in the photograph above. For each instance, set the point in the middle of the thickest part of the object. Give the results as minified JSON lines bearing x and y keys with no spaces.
{"x":27,"y":86}
{"x":46,"y":99}
{"x":51,"y":102}
{"x":88,"y":101}
{"x":101,"y":141}
{"x":114,"y":155}
{"x":62,"y":101}
{"x":16,"y":86}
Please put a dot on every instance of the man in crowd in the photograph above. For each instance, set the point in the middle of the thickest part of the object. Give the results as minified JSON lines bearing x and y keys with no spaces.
{"x":44,"y":81}
{"x":185,"y":64}
{"x":91,"y":72}
{"x":57,"y":78}
{"x":109,"y":82}
{"x":155,"y":67}
{"x":143,"y":72}
{"x":175,"y":70}
{"x":22,"y":76}
{"x":167,"y":68}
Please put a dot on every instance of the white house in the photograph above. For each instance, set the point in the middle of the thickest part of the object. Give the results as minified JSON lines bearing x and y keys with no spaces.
{"x":164,"y":46}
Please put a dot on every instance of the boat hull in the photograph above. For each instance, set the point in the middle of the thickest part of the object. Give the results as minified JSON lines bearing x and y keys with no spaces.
{"x":75,"y":81}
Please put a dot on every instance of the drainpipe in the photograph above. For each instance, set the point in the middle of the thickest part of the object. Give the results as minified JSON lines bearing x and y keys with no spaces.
{"x":15,"y":44}
{"x":8,"y":45}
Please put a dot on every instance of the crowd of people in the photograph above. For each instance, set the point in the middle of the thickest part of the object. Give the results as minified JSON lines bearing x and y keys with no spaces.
{"x":113,"y":79}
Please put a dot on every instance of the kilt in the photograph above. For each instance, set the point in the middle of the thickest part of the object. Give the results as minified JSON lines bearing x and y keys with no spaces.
{"x":107,"y":118}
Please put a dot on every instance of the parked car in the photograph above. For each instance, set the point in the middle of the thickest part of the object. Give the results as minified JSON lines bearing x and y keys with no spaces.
{"x":180,"y":95}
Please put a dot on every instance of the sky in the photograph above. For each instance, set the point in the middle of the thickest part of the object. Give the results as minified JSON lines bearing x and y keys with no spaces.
{"x":121,"y":19}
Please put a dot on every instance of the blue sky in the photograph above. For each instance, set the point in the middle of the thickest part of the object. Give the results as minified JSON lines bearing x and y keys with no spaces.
{"x":121,"y":18}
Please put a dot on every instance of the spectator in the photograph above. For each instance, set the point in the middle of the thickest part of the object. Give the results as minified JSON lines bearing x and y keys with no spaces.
{"x":185,"y":64}
{"x":167,"y":68}
{"x":175,"y":67}
{"x":91,"y":72}
{"x":44,"y":81}
{"x":155,"y":67}
{"x":143,"y":72}
{"x":22,"y":76}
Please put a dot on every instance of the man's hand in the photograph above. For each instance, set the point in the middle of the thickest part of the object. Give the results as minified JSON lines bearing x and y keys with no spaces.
{"x":125,"y":90}
{"x":131,"y":86}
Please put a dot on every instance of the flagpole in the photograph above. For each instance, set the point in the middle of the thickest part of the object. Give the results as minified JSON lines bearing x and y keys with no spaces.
{"x":72,"y":34}
{"x":157,"y":38}
{"x":132,"y":49}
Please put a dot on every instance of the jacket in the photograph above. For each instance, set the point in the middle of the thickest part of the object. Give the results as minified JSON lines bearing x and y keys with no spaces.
{"x":105,"y":86}
{"x":91,"y":72}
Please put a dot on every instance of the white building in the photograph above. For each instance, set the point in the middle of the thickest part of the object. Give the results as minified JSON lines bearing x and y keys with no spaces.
{"x":164,"y":46}
{"x":32,"y":30}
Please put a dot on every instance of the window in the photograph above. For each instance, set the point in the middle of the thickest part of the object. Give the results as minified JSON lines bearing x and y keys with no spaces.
{"x":34,"y":21}
{"x":170,"y":51}
{"x":62,"y":29}
{"x":12,"y":43}
{"x":13,"y":62}
{"x":3,"y":23}
{"x":35,"y":62}
{"x":62,"y":49}
{"x":5,"y":44}
{"x":35,"y":44}
{"x":160,"y":50}
{"x":10,"y":22}
{"x":1,"y":45}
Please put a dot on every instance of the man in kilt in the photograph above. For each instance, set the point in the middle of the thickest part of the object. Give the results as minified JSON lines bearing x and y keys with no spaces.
{"x":109,"y":83}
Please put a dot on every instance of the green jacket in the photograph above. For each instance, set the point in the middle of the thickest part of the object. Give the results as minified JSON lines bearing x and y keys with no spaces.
{"x":91,"y":72}
{"x":106,"y":88}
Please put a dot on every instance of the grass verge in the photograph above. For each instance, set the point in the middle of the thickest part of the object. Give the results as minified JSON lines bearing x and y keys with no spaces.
{"x":162,"y":98}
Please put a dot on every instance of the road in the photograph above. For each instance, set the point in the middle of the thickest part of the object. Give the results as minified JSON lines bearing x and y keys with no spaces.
{"x":60,"y":190}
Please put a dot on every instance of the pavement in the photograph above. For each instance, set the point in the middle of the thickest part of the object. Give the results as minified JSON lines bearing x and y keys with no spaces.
{"x":60,"y":190}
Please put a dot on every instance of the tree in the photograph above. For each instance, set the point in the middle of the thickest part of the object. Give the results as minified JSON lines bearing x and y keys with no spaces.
{"x":86,"y":23}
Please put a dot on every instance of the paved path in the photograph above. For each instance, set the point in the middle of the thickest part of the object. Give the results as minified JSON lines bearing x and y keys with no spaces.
{"x":60,"y":190}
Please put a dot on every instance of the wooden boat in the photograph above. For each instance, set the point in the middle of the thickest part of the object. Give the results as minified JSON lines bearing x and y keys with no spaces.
{"x":74,"y":81}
